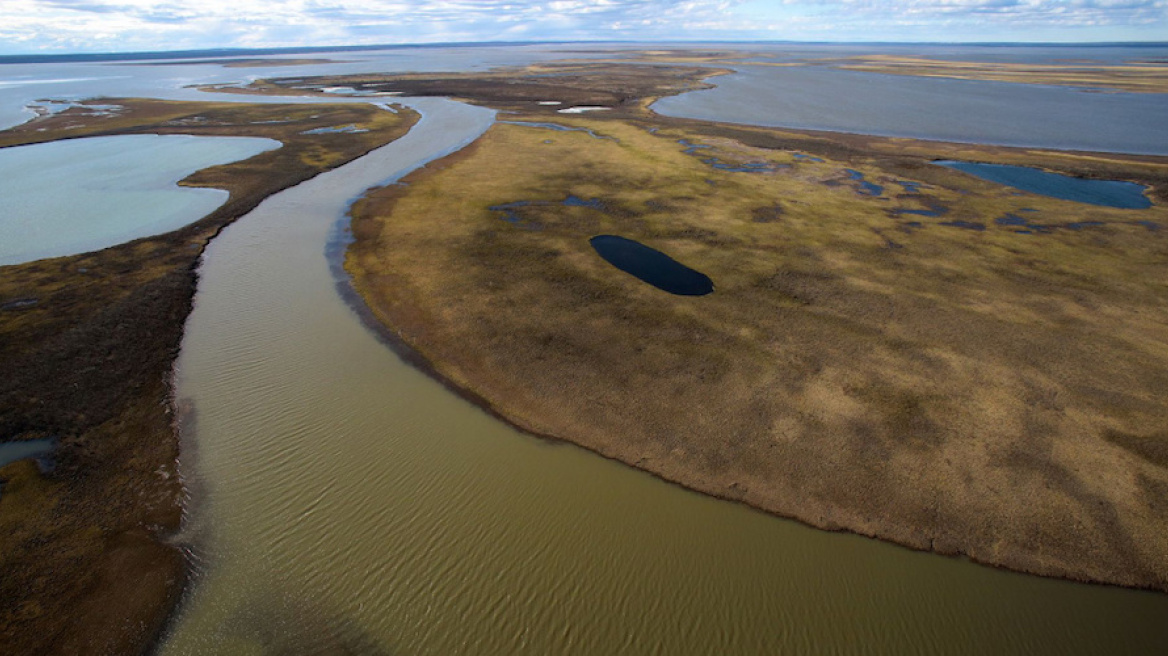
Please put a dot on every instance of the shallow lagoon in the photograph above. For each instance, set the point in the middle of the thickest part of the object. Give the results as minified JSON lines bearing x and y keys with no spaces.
{"x":82,"y":195}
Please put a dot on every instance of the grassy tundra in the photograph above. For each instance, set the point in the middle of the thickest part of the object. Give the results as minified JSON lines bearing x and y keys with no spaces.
{"x":946,"y":382}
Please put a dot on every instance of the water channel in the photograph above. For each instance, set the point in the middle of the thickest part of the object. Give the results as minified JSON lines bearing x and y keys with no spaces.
{"x":343,"y":501}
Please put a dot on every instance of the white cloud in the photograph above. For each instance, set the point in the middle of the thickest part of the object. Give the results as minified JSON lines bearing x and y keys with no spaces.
{"x":97,"y":25}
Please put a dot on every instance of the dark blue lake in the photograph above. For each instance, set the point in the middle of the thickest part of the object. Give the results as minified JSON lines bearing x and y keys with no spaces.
{"x":1108,"y":193}
{"x":652,"y":266}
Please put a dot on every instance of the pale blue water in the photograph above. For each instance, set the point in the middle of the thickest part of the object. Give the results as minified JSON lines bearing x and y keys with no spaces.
{"x":82,"y":195}
{"x":968,"y":111}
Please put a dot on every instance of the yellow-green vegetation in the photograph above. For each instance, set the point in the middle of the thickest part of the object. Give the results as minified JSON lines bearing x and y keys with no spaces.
{"x":979,"y":392}
{"x":88,"y":343}
{"x":1134,"y":77}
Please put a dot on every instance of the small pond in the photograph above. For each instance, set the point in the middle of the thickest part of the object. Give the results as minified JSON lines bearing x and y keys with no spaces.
{"x":652,"y":266}
{"x":1107,"y":193}
{"x":864,"y":187}
{"x":119,"y":189}
{"x":10,"y":452}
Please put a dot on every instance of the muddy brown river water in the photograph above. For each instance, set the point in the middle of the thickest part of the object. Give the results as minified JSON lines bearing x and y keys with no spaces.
{"x":343,"y":501}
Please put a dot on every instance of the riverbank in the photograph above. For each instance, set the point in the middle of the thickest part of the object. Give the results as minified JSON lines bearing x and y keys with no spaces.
{"x":90,"y":342}
{"x":881,"y":355}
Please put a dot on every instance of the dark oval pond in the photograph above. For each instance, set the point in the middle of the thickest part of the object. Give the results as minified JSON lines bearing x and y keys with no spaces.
{"x":1108,"y":193}
{"x":652,"y":266}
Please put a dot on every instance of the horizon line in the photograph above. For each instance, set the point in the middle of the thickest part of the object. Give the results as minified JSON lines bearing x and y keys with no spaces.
{"x":43,"y":57}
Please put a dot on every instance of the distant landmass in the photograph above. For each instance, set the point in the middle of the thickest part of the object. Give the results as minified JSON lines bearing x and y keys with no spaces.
{"x":296,"y":50}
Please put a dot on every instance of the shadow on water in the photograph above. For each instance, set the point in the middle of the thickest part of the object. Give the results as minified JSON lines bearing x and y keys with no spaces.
{"x":284,"y":623}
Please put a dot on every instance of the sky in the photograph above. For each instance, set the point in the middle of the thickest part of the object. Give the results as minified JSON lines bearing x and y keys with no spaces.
{"x":49,"y":26}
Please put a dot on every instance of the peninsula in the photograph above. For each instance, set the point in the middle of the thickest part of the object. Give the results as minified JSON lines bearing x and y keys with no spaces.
{"x":892,"y":347}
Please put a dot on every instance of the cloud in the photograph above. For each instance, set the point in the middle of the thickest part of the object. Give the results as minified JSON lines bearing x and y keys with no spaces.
{"x":1013,"y":12}
{"x":148,"y":24}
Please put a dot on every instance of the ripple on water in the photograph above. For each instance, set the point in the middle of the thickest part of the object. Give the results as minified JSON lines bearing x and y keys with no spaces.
{"x":351,"y":503}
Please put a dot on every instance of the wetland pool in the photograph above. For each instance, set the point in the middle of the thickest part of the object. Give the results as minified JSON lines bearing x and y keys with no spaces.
{"x":12,"y":451}
{"x":651,"y":266}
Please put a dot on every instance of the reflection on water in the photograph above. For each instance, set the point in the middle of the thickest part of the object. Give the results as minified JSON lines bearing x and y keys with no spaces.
{"x":346,"y":502}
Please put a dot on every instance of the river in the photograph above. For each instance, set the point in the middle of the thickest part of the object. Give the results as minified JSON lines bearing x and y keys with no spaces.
{"x":342,"y":500}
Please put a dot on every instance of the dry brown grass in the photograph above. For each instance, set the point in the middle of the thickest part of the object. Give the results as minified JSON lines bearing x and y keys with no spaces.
{"x":992,"y":394}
